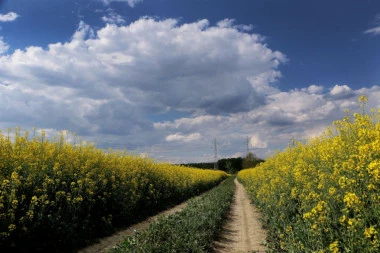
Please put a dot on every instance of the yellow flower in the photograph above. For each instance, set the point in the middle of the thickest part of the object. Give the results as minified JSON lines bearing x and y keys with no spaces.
{"x":77,"y":200}
{"x":334,"y":247}
{"x":351,"y":200}
{"x":14,"y":204}
{"x":363,"y":99}
{"x":14,"y":176}
{"x":11,"y":227}
{"x":30,"y":214}
{"x":370,"y":232}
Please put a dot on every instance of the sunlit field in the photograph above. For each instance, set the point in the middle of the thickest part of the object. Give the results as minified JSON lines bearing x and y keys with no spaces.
{"x":323,"y":196}
{"x":56,"y":195}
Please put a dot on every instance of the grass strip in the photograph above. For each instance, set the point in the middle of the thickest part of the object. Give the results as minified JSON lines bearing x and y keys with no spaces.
{"x":191,"y":230}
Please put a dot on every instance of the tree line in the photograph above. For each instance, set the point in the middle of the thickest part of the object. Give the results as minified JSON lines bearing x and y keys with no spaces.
{"x":230,"y":165}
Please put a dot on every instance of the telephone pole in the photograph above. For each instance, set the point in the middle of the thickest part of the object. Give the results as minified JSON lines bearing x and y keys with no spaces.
{"x":247,"y":145}
{"x":216,"y":154}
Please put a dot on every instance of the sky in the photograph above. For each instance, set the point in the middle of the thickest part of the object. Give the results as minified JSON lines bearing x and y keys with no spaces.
{"x":165,"y":78}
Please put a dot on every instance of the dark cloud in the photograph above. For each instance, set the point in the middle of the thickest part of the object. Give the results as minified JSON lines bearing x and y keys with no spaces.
{"x":116,"y":117}
{"x":280,"y":119}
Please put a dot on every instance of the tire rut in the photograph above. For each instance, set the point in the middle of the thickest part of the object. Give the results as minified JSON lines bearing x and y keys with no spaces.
{"x":242,"y":231}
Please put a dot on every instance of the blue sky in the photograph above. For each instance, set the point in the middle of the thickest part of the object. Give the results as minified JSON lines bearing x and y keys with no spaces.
{"x":164,"y":78}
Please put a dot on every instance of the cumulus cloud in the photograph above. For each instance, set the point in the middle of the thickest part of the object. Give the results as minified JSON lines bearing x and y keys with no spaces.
{"x":295,"y":114}
{"x":187,"y":67}
{"x":262,"y":82}
{"x":9,"y":17}
{"x":111,"y":85}
{"x":225,"y":23}
{"x":105,"y":82}
{"x":341,"y":91}
{"x":315,"y":89}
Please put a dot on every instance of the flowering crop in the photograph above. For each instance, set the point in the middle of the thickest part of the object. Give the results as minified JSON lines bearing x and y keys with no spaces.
{"x":53,"y":194}
{"x":323,"y":196}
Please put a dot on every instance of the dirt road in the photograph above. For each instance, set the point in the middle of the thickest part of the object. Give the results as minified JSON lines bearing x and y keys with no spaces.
{"x":105,"y":244}
{"x":243,"y":231}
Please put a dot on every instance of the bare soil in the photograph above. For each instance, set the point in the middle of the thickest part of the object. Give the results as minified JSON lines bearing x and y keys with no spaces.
{"x":242,"y":231}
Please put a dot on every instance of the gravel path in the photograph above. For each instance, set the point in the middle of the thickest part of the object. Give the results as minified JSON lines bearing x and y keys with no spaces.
{"x":243,"y":231}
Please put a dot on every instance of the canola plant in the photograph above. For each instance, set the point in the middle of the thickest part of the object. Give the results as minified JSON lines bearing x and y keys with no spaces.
{"x":324,"y":195}
{"x":55,"y":195}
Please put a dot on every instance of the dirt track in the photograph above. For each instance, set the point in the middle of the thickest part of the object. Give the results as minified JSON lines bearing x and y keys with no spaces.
{"x":107,"y":243}
{"x":243,"y":231}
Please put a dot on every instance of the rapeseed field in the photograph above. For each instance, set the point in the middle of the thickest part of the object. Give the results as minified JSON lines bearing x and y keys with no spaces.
{"x":324,"y":195}
{"x":55,"y":195}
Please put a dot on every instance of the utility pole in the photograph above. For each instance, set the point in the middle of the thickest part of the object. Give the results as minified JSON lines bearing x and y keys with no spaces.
{"x":216,"y":154}
{"x":247,"y":145}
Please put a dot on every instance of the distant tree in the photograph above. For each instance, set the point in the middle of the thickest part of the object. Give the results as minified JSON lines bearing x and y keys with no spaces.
{"x":251,"y":160}
{"x":200,"y":165}
{"x":229,"y":168}
{"x":230,"y":165}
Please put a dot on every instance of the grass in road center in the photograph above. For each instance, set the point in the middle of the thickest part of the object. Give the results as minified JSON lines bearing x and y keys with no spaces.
{"x":191,"y":230}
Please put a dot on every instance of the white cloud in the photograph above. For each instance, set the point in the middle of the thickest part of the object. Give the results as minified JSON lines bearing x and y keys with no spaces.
{"x":313,"y":132}
{"x":299,"y":114}
{"x":9,"y":17}
{"x":225,"y":23}
{"x":111,"y":85}
{"x":113,"y":18}
{"x":229,"y":23}
{"x":104,"y":82}
{"x":3,"y":46}
{"x":315,"y":89}
{"x":183,"y":138}
{"x":341,"y":91}
{"x":373,"y":31}
{"x":256,"y":142}
{"x":189,"y":123}
{"x":131,"y":3}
